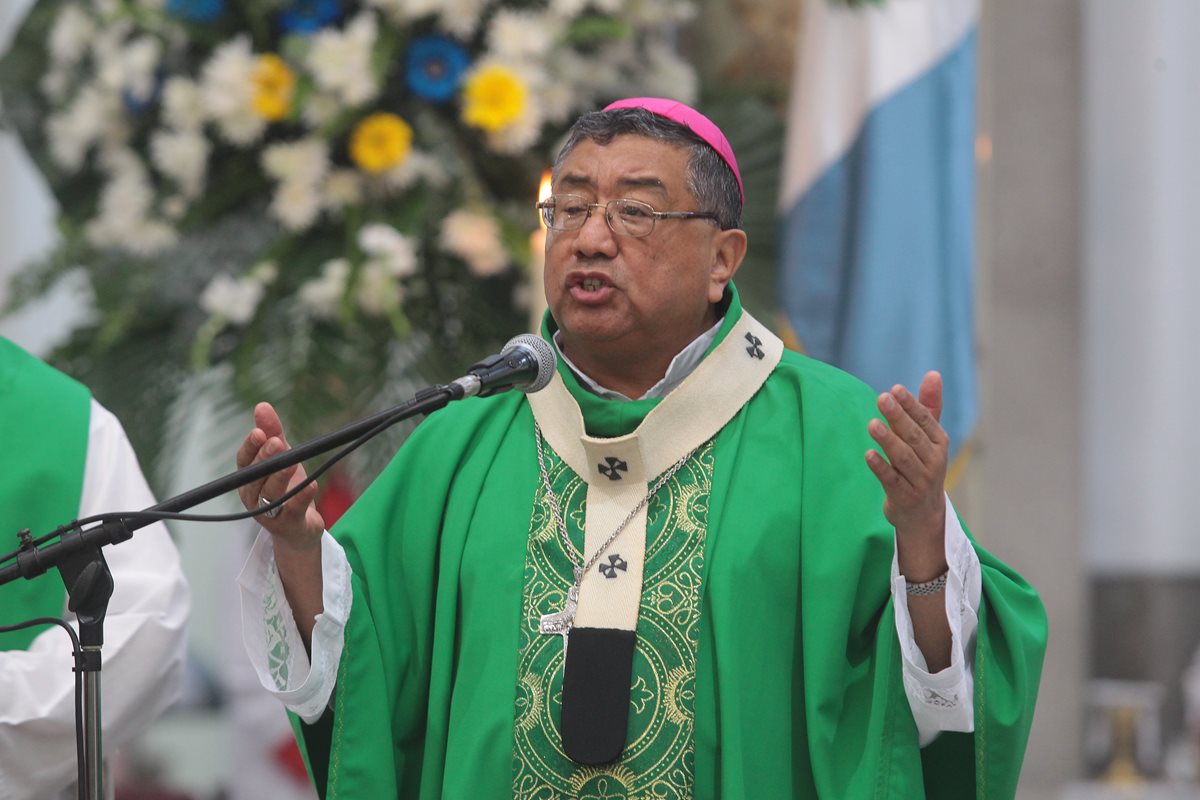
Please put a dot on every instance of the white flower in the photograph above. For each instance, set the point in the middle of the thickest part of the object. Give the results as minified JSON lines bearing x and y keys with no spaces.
{"x":93,"y":116}
{"x":612,"y":68}
{"x":559,"y":100}
{"x":567,"y":9}
{"x":475,"y":238}
{"x":340,"y":61}
{"x":343,"y":189}
{"x":430,"y":169}
{"x":321,"y":108}
{"x":521,"y":35}
{"x":377,"y":290}
{"x":403,"y":176}
{"x":231,"y":298}
{"x":174,"y":207}
{"x":119,"y":160}
{"x":55,"y":85}
{"x":615,"y":6}
{"x":641,"y":15}
{"x":322,"y":296}
{"x":302,"y":161}
{"x":460,"y":17}
{"x":265,"y":272}
{"x":296,"y":204}
{"x":123,"y":222}
{"x":226,"y":90}
{"x":417,"y":167}
{"x":107,"y":42}
{"x":73,"y":29}
{"x":300,"y":167}
{"x":133,"y":71}
{"x":388,"y":248}
{"x":183,"y":157}
{"x":182,"y":104}
{"x":587,"y":77}
{"x":667,"y":75}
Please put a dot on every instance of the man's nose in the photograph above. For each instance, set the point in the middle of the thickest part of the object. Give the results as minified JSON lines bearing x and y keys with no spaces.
{"x":595,"y":237}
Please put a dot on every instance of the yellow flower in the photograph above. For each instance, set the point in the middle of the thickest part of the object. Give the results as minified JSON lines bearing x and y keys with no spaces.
{"x":493,"y":97}
{"x":380,"y":142}
{"x":274,"y":85}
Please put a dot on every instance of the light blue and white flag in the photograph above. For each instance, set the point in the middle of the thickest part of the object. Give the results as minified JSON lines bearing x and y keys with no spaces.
{"x":878,"y":200}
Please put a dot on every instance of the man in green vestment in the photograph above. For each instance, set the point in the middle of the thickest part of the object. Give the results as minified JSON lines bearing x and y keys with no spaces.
{"x":668,"y":574}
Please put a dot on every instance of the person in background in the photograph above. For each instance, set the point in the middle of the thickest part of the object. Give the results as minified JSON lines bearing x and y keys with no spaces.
{"x":65,"y":457}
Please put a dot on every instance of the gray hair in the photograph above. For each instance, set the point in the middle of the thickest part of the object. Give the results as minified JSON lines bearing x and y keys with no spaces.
{"x":709,"y":178}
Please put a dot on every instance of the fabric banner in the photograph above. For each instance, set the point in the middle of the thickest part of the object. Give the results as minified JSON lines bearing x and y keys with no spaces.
{"x":877,"y":206}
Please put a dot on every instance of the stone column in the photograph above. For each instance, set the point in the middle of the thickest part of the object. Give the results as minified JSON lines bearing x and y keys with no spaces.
{"x":1027,"y":471}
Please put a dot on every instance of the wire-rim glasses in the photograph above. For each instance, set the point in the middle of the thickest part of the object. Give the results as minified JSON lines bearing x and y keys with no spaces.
{"x":569,"y":212}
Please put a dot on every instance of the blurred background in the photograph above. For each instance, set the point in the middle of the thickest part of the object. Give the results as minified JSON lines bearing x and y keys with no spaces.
{"x":1016,"y":180}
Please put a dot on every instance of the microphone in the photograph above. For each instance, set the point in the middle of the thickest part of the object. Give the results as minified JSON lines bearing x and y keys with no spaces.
{"x":526,"y":364}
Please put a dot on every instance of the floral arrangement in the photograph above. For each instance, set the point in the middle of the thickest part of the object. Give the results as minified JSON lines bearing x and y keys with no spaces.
{"x":329,"y":199}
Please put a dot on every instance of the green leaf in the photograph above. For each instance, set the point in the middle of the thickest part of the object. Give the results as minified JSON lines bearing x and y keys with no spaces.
{"x":595,"y":29}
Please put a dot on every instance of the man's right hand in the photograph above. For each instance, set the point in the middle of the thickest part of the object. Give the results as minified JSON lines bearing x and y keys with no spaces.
{"x":296,"y":531}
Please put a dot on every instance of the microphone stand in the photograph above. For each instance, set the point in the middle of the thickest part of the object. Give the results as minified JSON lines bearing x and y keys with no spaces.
{"x":80,"y":561}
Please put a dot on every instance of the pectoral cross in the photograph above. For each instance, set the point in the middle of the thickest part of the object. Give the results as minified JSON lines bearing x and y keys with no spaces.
{"x":560,"y":622}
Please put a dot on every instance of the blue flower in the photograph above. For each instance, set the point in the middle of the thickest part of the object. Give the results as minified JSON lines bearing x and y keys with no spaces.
{"x":309,"y":16}
{"x":196,"y":10}
{"x":434,"y":66}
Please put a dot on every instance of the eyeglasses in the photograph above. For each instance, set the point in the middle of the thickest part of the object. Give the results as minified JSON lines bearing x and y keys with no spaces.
{"x":568,"y":212}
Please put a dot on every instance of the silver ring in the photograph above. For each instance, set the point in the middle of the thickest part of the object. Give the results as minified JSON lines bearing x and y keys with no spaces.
{"x":274,"y":512}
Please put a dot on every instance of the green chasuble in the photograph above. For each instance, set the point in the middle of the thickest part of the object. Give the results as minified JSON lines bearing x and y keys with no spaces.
{"x":44,"y":417}
{"x":767,"y":661}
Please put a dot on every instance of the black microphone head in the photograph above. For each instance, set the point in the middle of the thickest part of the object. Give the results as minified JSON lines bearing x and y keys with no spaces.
{"x":542,"y":352}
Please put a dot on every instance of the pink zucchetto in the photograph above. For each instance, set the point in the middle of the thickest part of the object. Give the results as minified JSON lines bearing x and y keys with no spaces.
{"x":689,"y":117}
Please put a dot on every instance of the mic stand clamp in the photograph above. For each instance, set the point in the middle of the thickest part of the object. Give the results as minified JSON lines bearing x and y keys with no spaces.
{"x":89,"y":585}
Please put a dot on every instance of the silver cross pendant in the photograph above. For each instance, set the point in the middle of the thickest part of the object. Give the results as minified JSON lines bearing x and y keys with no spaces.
{"x":560,"y":622}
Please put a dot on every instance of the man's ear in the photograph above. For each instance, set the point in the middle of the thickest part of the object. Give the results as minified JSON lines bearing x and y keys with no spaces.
{"x":729,"y":249}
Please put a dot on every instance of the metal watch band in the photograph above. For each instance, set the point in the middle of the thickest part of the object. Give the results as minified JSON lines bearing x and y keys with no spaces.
{"x":929,"y":587}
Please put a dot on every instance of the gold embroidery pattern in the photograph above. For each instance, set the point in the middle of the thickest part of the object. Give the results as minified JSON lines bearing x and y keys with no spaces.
{"x":658,"y":758}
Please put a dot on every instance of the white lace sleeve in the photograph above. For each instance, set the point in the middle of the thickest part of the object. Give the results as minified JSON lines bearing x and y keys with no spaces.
{"x":272,"y":640}
{"x":943,"y":701}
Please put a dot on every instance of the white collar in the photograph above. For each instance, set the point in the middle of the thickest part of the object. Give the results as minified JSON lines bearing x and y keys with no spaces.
{"x":680,"y":367}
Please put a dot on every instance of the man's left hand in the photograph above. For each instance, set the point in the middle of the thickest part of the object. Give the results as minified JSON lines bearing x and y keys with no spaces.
{"x":914,"y":474}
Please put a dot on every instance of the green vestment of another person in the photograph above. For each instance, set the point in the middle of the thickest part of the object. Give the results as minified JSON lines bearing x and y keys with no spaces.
{"x":767,"y":664}
{"x":44,"y":418}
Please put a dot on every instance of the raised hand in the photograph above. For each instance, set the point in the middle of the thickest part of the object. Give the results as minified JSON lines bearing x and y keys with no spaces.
{"x":914,"y":479}
{"x":296,"y":530}
{"x":297,"y":523}
{"x":914,"y":474}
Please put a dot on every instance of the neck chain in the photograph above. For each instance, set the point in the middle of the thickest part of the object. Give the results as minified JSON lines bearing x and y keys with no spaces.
{"x":559,"y":522}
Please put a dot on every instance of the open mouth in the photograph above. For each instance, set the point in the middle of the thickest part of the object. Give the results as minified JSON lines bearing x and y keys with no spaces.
{"x":590,"y":289}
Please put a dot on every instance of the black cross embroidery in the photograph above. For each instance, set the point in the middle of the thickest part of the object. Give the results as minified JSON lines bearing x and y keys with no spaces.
{"x":615,"y":562}
{"x":612,"y":468}
{"x":754,"y":348}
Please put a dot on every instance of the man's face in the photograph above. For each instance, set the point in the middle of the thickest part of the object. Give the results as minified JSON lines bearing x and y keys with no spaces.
{"x":648,"y":296}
